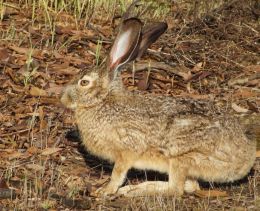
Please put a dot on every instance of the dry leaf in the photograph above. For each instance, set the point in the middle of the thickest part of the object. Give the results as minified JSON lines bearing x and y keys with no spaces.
{"x":35,"y":52}
{"x":35,"y":167}
{"x":199,"y":76}
{"x":255,"y":68}
{"x":258,"y":154}
{"x":64,"y":69}
{"x":16,"y":155}
{"x":245,"y":93}
{"x":7,"y":151}
{"x":238,"y":108}
{"x":43,"y":123}
{"x":35,"y":91}
{"x":49,"y":151}
{"x":63,"y":30}
{"x":33,"y":150}
{"x":15,"y":87}
{"x":210,"y":193}
{"x":50,"y":100}
{"x":4,"y":55}
{"x":253,"y":107}
{"x":143,"y":83}
{"x":41,"y":113}
{"x":197,"y":67}
{"x":3,"y":183}
{"x":80,"y":171}
{"x":188,"y":87}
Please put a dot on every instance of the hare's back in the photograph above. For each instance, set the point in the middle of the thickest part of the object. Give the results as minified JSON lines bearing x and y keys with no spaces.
{"x":172,"y":106}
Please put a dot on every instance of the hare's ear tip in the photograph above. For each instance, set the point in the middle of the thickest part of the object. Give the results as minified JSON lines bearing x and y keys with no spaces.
{"x":165,"y":25}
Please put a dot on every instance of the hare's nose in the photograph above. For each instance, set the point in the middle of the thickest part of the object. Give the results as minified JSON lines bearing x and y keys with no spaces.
{"x":69,"y":97}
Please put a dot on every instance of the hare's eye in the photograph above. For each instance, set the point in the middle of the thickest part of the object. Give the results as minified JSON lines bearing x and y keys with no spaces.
{"x":84,"y":82}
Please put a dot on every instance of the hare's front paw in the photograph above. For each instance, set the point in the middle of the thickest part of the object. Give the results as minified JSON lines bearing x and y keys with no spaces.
{"x":107,"y":190}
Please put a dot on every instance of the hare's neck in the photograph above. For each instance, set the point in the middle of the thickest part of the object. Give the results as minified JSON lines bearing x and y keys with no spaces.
{"x":116,"y":86}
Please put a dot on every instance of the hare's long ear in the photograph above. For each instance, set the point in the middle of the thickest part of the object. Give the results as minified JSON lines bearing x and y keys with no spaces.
{"x":150,"y":35}
{"x":125,"y":45}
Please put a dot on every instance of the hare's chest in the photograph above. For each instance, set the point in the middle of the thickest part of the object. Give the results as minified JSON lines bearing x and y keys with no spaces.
{"x":95,"y":133}
{"x":92,"y":120}
{"x":92,"y":126}
{"x":98,"y":142}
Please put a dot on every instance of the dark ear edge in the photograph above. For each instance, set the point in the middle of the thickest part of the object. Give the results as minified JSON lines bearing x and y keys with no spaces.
{"x":150,"y":35}
{"x":126,"y":44}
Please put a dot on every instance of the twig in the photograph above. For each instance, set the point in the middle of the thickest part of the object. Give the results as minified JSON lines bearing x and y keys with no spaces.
{"x":13,"y":133}
{"x":250,"y":27}
{"x":242,"y":81}
{"x":227,"y":59}
{"x":159,"y":65}
{"x":156,"y":52}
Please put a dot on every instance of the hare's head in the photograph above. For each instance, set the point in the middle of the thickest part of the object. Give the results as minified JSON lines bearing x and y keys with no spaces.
{"x":130,"y":43}
{"x":88,"y":89}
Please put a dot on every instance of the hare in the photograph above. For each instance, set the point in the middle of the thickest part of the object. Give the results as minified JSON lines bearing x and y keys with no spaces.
{"x":187,"y":139}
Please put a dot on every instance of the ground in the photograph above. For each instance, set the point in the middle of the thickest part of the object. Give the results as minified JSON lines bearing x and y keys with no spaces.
{"x":210,"y":51}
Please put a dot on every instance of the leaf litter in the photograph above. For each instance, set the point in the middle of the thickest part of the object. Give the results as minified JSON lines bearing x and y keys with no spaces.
{"x":201,"y":58}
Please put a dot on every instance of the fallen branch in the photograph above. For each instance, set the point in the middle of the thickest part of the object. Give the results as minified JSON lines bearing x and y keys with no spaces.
{"x":140,"y":66}
{"x":14,"y":133}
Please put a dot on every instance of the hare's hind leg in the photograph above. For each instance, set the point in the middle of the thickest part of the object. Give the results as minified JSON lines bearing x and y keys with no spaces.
{"x":150,"y":188}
